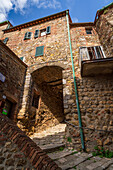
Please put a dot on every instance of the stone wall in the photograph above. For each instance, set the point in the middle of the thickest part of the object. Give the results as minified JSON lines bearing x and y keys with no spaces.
{"x":56,"y":54}
{"x":95,"y":99}
{"x":14,"y":71}
{"x":2,"y":27}
{"x":17,"y":151}
{"x":104,"y":27}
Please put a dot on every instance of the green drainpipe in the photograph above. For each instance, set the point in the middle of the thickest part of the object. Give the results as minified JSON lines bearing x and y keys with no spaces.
{"x":75,"y":85}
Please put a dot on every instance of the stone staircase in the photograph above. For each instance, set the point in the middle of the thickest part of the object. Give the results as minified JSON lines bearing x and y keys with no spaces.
{"x":52,"y":142}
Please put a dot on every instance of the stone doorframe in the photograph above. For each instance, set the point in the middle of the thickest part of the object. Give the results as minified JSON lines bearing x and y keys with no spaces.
{"x":67,"y":88}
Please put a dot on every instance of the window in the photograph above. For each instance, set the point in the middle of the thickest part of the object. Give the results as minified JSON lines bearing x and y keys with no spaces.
{"x":39,"y":51}
{"x":91,"y":53}
{"x":35,"y":102}
{"x":22,"y":58}
{"x":48,"y":30}
{"x":27,"y":35}
{"x":36,"y":34}
{"x":5,"y":40}
{"x":42,"y":32}
{"x":89,"y":31}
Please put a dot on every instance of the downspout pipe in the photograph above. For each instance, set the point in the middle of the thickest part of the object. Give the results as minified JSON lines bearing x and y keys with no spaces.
{"x":75,"y":84}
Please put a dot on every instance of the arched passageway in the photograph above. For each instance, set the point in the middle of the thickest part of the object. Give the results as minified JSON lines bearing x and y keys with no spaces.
{"x":48,"y":88}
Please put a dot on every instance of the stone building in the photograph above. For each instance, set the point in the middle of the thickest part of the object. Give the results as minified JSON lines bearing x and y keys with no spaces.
{"x":12,"y":76}
{"x":48,"y":96}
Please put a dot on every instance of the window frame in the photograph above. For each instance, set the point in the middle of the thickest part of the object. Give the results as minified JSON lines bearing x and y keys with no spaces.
{"x":36,"y":34}
{"x":90,"y":30}
{"x":5,"y":40}
{"x":94,"y":50}
{"x":26,"y":36}
{"x":35,"y":93}
{"x":40,"y":54}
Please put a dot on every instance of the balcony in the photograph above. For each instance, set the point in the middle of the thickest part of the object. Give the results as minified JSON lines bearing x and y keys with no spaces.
{"x":94,"y":62}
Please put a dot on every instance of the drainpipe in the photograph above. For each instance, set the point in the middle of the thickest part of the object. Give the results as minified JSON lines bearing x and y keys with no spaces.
{"x":75,"y":85}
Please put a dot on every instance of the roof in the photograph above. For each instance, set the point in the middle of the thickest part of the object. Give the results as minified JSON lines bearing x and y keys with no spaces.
{"x":109,"y":5}
{"x":81,"y":24}
{"x":5,"y":22}
{"x":37,"y":21}
{"x":11,"y":52}
{"x":100,"y":12}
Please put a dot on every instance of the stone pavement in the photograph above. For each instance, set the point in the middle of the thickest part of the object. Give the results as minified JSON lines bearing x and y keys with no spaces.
{"x":52,"y":141}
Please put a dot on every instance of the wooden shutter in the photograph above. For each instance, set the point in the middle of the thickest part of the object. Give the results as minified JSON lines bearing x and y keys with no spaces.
{"x":48,"y":30}
{"x":39,"y":51}
{"x":5,"y":40}
{"x":36,"y":33}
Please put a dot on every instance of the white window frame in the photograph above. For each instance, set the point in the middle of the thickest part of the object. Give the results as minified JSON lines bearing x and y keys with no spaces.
{"x":88,"y":57}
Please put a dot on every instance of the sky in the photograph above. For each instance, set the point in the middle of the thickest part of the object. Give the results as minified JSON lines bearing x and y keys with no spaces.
{"x":21,"y":11}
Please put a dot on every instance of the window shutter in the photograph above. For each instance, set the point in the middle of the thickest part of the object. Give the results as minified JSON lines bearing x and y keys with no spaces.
{"x":5,"y":40}
{"x":27,"y":35}
{"x":48,"y":30}
{"x":36,"y":33}
{"x":39,"y":51}
{"x":22,"y":58}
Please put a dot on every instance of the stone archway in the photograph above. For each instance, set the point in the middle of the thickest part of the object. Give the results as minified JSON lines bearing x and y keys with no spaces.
{"x":48,"y":84}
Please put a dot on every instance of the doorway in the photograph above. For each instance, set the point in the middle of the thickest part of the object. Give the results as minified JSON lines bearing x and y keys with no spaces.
{"x":7,"y":108}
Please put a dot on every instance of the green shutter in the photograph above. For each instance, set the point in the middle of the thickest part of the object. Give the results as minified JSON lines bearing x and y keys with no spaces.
{"x":39,"y":51}
{"x":36,"y":33}
{"x":5,"y":40}
{"x":27,"y":35}
{"x":22,"y":58}
{"x":48,"y":30}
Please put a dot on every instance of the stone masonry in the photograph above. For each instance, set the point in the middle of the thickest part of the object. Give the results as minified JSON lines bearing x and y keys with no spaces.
{"x":18,"y":151}
{"x":50,"y":77}
{"x":104,"y":27}
{"x":12,"y":87}
{"x":95,"y":93}
{"x":52,"y":69}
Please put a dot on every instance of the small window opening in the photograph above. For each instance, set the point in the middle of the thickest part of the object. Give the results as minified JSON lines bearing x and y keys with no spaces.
{"x":35,"y":102}
{"x":88,"y":30}
{"x":43,"y":32}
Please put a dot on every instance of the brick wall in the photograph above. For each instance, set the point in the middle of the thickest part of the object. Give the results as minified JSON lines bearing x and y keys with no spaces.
{"x":19,"y":151}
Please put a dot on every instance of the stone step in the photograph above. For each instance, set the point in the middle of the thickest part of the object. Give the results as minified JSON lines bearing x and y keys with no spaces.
{"x":61,"y":154}
{"x":51,"y":147}
{"x":103,"y":163}
{"x":72,"y":160}
{"x":92,"y":163}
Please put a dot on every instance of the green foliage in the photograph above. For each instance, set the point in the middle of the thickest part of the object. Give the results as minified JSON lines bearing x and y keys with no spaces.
{"x":74,"y":153}
{"x":102,"y":152}
{"x":105,"y":11}
{"x":69,"y":139}
{"x":74,"y":167}
{"x":88,"y":158}
{"x":61,"y":148}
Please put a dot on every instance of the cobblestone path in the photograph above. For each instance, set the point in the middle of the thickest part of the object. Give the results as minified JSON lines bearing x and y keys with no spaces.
{"x":52,"y":141}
